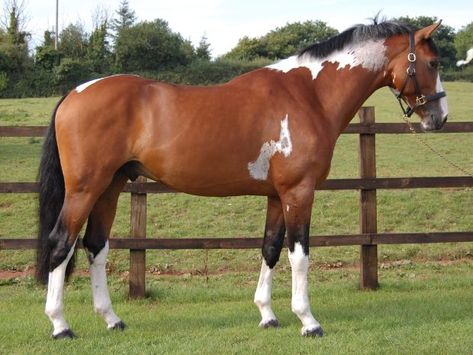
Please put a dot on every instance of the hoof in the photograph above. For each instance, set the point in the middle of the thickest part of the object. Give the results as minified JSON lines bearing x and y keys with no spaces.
{"x":313,"y":332}
{"x":65,"y":334}
{"x":272,"y":323}
{"x":118,"y":326}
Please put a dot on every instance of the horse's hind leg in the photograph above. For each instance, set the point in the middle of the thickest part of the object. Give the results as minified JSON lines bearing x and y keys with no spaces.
{"x":96,"y":242}
{"x":62,"y":240}
{"x":273,"y":242}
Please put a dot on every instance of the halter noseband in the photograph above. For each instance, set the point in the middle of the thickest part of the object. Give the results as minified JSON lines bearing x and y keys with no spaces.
{"x":421,"y":100}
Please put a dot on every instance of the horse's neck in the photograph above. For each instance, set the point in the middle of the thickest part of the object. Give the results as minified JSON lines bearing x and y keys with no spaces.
{"x":344,"y":79}
{"x":344,"y":93}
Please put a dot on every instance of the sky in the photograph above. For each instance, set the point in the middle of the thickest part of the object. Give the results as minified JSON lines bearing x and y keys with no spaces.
{"x":224,"y":22}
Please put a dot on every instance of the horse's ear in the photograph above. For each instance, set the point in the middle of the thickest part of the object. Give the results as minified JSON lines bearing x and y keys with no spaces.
{"x":426,"y":32}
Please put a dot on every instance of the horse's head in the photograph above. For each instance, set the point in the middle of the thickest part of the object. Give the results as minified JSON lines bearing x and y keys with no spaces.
{"x":415,"y":78}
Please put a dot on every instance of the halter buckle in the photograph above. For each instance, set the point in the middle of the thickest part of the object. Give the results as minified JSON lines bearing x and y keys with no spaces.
{"x":411,"y":57}
{"x":421,"y":100}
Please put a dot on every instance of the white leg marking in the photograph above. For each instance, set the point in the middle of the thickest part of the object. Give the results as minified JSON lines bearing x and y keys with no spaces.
{"x":300,"y":299}
{"x":98,"y":277}
{"x":260,"y":167}
{"x":263,"y":295}
{"x":443,"y":100}
{"x":55,"y":298}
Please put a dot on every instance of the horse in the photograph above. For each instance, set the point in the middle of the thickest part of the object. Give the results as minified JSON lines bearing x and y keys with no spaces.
{"x":270,"y":132}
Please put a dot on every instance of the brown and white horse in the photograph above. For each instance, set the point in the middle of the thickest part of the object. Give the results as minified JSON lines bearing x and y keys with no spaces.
{"x":270,"y":132}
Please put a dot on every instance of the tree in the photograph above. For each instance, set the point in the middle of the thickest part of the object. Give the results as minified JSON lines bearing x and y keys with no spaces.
{"x":464,"y":40}
{"x":443,"y":38}
{"x":98,"y":53}
{"x":73,"y":42}
{"x":14,"y":41}
{"x":283,"y":41}
{"x":125,"y":18}
{"x":151,"y":46}
{"x":202,"y":52}
{"x":46,"y":56}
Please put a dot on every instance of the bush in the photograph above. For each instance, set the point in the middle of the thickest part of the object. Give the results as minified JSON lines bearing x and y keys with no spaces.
{"x":70,"y":73}
{"x":465,"y":74}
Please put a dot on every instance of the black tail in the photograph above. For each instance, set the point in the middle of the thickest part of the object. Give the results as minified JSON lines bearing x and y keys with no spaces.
{"x":51,"y":198}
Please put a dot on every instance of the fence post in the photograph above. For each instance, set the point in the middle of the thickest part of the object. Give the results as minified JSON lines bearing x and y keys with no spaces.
{"x":138,"y":230}
{"x":368,"y":212}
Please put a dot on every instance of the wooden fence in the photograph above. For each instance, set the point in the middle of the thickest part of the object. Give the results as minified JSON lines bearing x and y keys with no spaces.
{"x":367,"y":184}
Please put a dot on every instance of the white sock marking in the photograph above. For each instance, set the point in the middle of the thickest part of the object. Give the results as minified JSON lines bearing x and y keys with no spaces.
{"x":369,"y":54}
{"x":300,"y":298}
{"x":55,"y":299}
{"x":98,"y":277}
{"x":260,"y":167}
{"x":263,"y":294}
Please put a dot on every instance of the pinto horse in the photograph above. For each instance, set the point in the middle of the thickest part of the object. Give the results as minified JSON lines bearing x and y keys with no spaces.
{"x":270,"y":132}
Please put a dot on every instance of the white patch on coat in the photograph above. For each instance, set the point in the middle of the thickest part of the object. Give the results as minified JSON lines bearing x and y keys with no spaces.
{"x":84,"y":86}
{"x":369,"y":54}
{"x":263,"y":294}
{"x":98,"y":277}
{"x":443,"y":100}
{"x":287,"y":208}
{"x":260,"y":167}
{"x":54,"y":308}
{"x":300,"y":299}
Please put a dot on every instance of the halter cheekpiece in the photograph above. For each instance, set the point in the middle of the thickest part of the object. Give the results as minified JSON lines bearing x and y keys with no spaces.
{"x":421,"y":100}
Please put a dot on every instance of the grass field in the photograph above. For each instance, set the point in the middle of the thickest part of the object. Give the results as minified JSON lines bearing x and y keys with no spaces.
{"x":424,"y":304}
{"x":419,"y":309}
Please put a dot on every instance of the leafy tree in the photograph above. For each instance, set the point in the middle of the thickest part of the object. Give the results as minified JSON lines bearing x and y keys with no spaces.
{"x":283,"y":41}
{"x":202,"y":52}
{"x":98,"y":53}
{"x":125,"y":18}
{"x":73,"y":42}
{"x":151,"y":46}
{"x":46,"y":56}
{"x":464,"y":40}
{"x":14,"y":42}
{"x":443,"y":38}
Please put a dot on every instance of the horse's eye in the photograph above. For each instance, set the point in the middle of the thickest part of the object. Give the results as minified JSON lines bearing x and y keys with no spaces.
{"x":434,"y":64}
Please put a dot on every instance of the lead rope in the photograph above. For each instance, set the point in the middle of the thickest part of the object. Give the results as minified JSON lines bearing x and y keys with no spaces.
{"x":428,"y":146}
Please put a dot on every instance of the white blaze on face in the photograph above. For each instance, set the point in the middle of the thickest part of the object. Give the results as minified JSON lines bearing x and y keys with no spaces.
{"x":369,"y":54}
{"x":442,"y":100}
{"x":260,"y":167}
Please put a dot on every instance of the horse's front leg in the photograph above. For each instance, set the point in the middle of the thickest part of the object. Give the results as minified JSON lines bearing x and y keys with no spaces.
{"x":273,"y":241}
{"x":297,"y":206}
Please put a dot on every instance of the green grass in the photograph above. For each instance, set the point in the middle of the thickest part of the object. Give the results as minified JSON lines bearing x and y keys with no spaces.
{"x":419,"y":309}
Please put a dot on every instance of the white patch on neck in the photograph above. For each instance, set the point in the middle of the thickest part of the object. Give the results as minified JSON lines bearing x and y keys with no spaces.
{"x":443,"y":100}
{"x":260,"y":167}
{"x":369,"y":54}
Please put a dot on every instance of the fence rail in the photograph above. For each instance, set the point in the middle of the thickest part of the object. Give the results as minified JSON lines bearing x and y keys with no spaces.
{"x":367,"y":184}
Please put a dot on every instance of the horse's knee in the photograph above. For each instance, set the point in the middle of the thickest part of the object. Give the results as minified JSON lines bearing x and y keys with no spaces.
{"x":271,"y":255}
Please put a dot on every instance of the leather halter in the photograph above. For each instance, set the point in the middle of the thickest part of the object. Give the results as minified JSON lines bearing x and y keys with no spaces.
{"x":421,"y":100}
